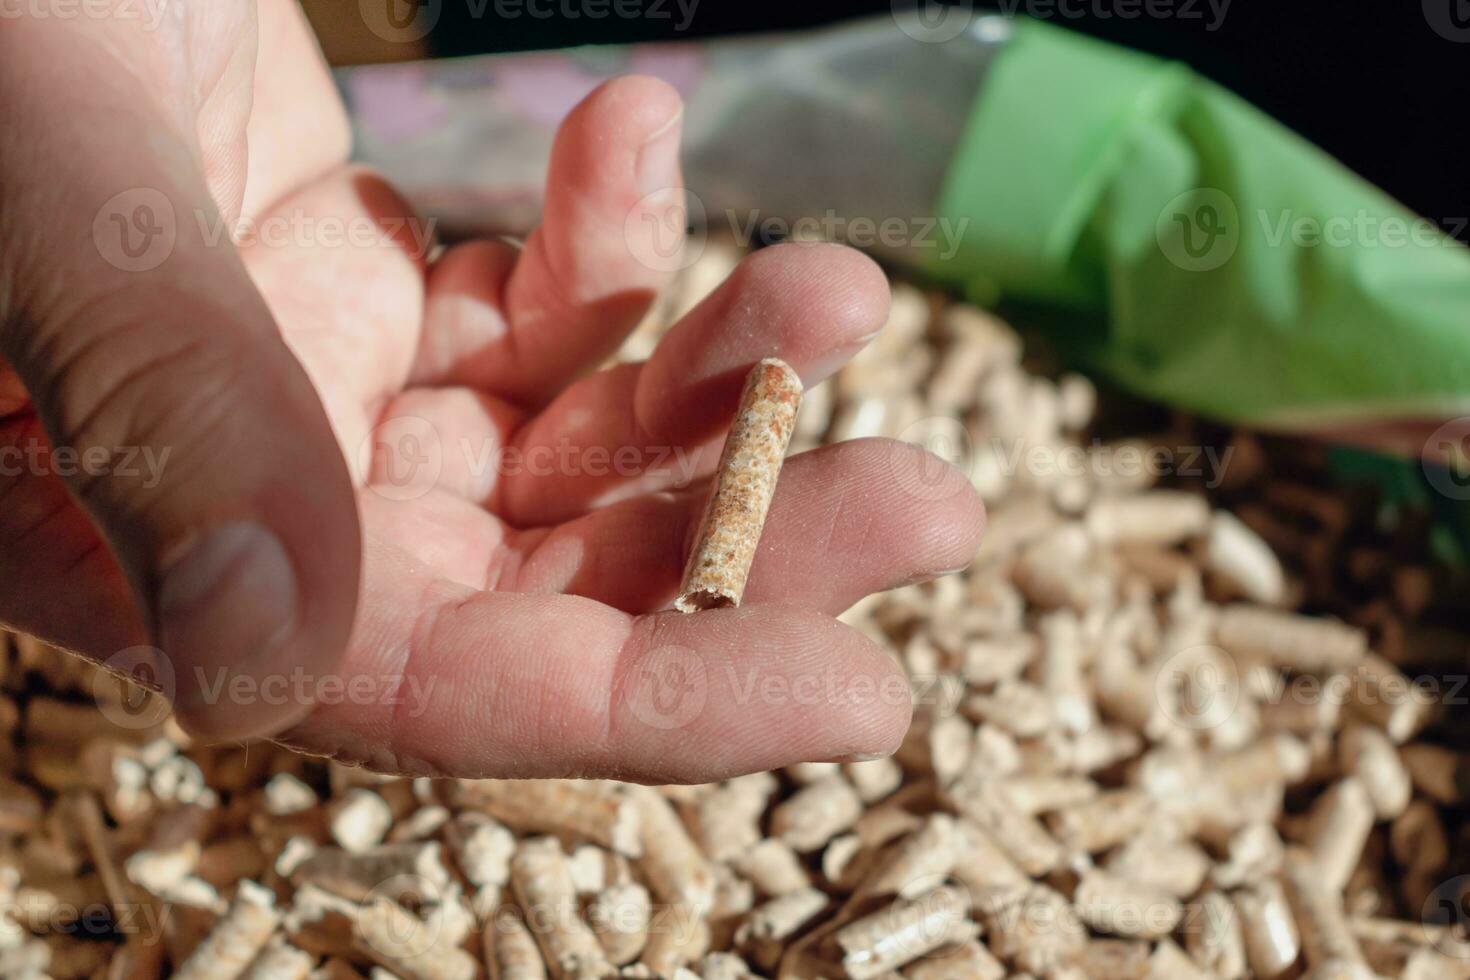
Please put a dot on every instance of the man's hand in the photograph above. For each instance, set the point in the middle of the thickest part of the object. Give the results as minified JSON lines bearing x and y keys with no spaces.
{"x":377,"y":505}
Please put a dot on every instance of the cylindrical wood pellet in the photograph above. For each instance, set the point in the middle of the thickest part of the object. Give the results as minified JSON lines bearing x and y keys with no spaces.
{"x":965,"y":961}
{"x":773,"y":867}
{"x":900,"y":933}
{"x":620,"y":917}
{"x":237,"y":938}
{"x":917,"y":864}
{"x":1019,"y":835}
{"x":590,"y":810}
{"x":281,"y":961}
{"x":676,"y":869}
{"x":1325,"y":934}
{"x":1369,"y":754}
{"x":1239,"y":557}
{"x":1338,"y":827}
{"x":746,"y":480}
{"x":510,"y":949}
{"x":543,"y":886}
{"x":767,"y":928}
{"x":816,"y":814}
{"x":407,"y":945}
{"x":677,"y":936}
{"x":1290,"y":640}
{"x":1036,"y":930}
{"x":1214,"y":938}
{"x":1158,"y":517}
{"x":1126,"y":908}
{"x":1272,"y":942}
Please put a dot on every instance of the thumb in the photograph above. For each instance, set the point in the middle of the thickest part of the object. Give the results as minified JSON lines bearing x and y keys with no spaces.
{"x":129,"y":317}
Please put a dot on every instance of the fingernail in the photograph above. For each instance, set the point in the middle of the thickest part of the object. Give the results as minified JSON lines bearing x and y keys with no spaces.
{"x":919,"y":578}
{"x":658,"y":160}
{"x":226,"y":605}
{"x":862,"y":757}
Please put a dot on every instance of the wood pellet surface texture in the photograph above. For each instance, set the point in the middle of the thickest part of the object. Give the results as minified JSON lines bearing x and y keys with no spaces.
{"x":750,"y":464}
{"x":1194,"y":718}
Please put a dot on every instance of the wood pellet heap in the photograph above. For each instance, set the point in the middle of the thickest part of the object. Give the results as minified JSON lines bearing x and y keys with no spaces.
{"x":1132,"y":756}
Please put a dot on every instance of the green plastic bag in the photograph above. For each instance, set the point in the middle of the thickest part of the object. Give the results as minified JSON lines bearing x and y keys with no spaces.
{"x":1205,"y":255}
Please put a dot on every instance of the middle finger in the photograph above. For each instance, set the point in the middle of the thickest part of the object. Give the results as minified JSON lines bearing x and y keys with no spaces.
{"x":656,"y":425}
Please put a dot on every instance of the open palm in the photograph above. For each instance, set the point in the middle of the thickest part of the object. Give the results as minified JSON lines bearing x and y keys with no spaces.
{"x":479,"y":532}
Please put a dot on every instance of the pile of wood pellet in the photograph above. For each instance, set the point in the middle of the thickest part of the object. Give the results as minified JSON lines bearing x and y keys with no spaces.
{"x":1131,"y":758}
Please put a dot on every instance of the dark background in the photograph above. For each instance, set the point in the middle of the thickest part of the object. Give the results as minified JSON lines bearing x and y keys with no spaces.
{"x":1370,"y":81}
